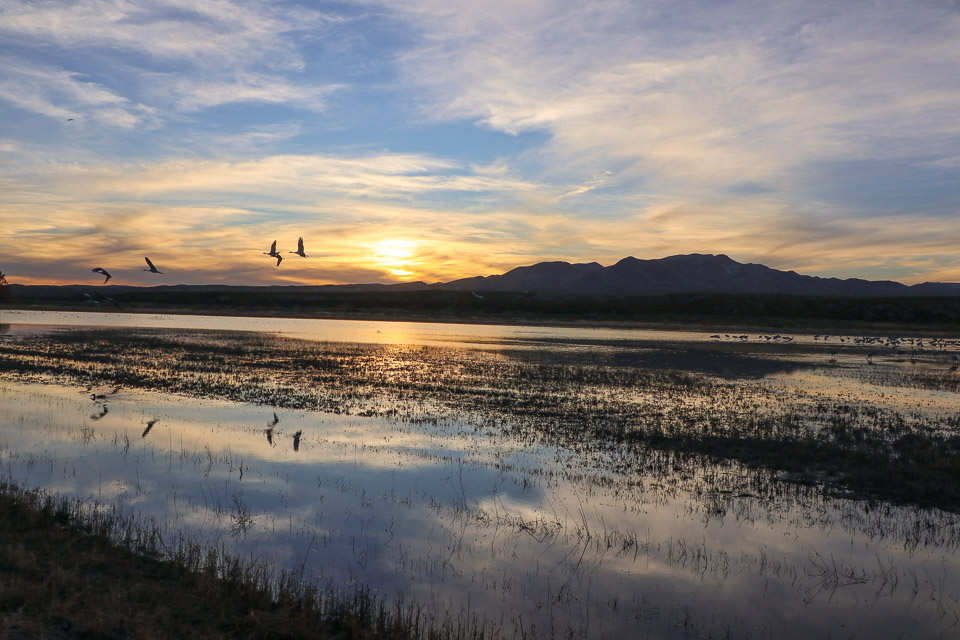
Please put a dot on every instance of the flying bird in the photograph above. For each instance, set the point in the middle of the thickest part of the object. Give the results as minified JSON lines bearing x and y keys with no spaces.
{"x":102,"y":272}
{"x":299,"y":250}
{"x":152,"y":268}
{"x":273,"y":253}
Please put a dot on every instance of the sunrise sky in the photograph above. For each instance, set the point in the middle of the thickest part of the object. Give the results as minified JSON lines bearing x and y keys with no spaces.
{"x":433,"y":139}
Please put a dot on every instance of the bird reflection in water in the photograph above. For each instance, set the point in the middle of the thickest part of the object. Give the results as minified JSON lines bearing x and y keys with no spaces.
{"x":269,"y":429}
{"x":149,"y":426}
{"x":296,"y":440}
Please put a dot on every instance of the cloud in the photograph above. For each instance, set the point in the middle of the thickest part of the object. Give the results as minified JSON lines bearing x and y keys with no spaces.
{"x":192,"y":94}
{"x":210,"y":34}
{"x":63,"y":94}
{"x":698,"y":96}
{"x":210,"y":220}
{"x":161,"y":58}
{"x":288,"y":178}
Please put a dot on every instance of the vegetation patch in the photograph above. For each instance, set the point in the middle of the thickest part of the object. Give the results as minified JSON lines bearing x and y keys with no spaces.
{"x":68,"y":570}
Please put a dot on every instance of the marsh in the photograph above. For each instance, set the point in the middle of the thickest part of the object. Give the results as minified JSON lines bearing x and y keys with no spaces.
{"x":552,"y":483}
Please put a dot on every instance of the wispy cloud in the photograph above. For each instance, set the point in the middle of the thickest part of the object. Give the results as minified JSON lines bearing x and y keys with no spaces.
{"x":285,"y":177}
{"x":163,"y":58}
{"x":193,"y":94}
{"x":697,"y":96}
{"x":208,"y":33}
{"x":64,"y":94}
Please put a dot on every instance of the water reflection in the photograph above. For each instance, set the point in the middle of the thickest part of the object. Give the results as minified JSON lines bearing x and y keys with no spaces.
{"x":544,"y":542}
{"x":677,"y":357}
{"x":359,"y":331}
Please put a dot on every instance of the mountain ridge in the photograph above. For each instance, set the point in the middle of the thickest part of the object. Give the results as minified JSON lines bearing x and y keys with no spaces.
{"x":685,"y":273}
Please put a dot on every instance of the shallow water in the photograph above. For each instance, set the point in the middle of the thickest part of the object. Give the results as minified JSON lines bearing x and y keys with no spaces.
{"x":362,"y":331}
{"x":458,"y":335}
{"x":533,"y":538}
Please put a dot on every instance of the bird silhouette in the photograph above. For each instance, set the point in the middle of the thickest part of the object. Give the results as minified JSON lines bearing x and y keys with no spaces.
{"x":299,"y":250}
{"x":102,"y":272}
{"x":152,"y":268}
{"x":296,"y":440}
{"x":273,"y":253}
{"x":149,"y":426}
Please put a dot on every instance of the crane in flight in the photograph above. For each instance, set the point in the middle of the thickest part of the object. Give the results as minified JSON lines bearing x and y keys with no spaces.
{"x":299,"y":250}
{"x":273,"y":253}
{"x":152,"y":268}
{"x":102,"y":272}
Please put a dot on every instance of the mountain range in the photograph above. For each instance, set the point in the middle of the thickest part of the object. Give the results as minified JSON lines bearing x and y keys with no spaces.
{"x":692,"y":273}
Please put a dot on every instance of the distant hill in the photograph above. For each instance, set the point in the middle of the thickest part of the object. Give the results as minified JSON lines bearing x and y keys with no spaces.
{"x":693,"y":273}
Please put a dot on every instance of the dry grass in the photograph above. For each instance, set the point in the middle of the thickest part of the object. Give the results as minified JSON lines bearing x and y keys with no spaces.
{"x":67,"y":571}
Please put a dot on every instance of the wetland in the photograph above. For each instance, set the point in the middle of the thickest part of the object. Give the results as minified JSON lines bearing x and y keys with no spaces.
{"x":520,"y":482}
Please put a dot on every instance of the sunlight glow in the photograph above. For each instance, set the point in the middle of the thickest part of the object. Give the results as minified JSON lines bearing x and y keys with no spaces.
{"x":395,"y":255}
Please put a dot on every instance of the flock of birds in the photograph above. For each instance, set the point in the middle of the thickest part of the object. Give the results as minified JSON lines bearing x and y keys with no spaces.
{"x":273,"y":253}
{"x":891,"y":343}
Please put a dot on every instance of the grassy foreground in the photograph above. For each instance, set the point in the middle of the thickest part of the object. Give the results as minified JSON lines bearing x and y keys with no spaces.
{"x":67,"y":571}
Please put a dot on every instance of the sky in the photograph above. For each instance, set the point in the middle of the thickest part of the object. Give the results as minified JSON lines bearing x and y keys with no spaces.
{"x":431,"y":140}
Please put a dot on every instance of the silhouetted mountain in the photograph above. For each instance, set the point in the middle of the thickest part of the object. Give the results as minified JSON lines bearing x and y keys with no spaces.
{"x":693,"y":273}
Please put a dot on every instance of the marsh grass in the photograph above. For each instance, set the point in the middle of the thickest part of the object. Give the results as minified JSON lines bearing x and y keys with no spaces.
{"x":72,"y":570}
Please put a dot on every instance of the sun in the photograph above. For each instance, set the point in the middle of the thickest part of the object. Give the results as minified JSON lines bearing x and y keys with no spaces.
{"x":394,"y":255}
